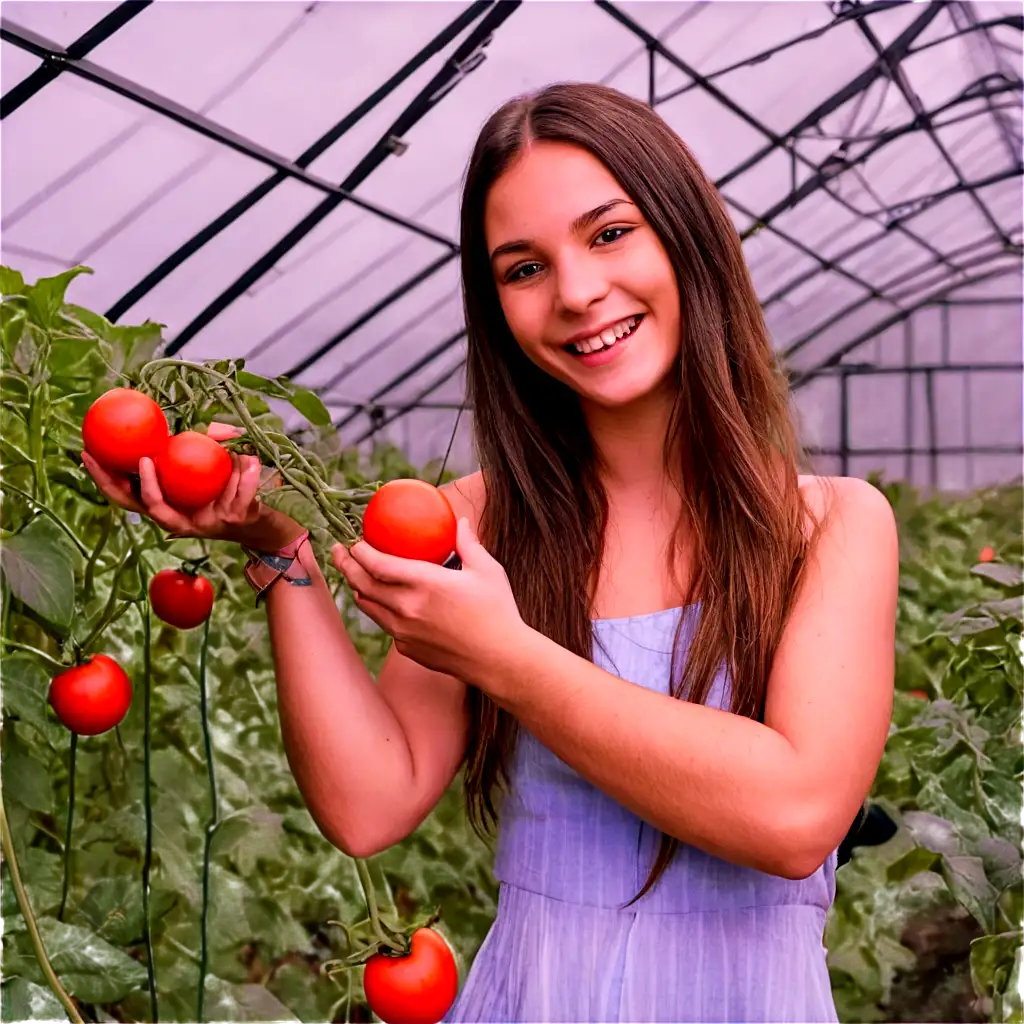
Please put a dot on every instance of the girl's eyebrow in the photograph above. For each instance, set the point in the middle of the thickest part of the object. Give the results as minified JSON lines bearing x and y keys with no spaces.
{"x":583,"y":221}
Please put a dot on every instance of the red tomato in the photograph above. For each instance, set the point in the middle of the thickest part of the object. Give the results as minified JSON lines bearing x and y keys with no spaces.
{"x":414,"y":989}
{"x":986,"y":554}
{"x":410,"y":519}
{"x":180,"y":599}
{"x":93,"y":697}
{"x":192,"y":470}
{"x":919,"y":694}
{"x":121,"y":427}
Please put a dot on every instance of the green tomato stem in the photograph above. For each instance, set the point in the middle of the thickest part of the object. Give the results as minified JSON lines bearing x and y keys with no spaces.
{"x":6,"y":485}
{"x":90,"y":567}
{"x":366,"y":882}
{"x":71,"y":818}
{"x":42,"y":655}
{"x":211,"y":827}
{"x":38,"y":407}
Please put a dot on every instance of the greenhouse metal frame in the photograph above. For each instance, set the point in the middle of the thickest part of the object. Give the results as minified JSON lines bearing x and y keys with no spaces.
{"x":900,"y":329}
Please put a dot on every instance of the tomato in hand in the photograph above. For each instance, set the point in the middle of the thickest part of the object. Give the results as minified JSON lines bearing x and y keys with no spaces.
{"x":181,"y":599}
{"x":411,"y":519}
{"x":123,"y":426}
{"x":192,"y":470}
{"x":415,"y":989}
{"x":93,"y":697}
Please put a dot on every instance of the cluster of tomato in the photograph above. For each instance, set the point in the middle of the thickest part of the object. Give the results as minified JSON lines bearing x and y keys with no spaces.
{"x":406,"y":518}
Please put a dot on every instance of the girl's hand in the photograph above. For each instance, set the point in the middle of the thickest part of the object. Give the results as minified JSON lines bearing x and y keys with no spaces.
{"x":453,"y":621}
{"x":236,"y":515}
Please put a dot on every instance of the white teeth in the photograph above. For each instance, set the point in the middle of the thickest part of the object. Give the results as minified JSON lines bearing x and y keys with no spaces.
{"x":607,"y":337}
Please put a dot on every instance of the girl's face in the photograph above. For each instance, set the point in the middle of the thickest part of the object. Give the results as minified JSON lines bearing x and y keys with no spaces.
{"x":586,"y":286}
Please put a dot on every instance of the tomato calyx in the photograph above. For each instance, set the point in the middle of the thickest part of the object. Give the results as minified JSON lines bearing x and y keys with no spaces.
{"x":399,"y":946}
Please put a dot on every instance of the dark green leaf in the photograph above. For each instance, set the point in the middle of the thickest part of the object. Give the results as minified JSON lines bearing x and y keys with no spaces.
{"x":27,"y":781}
{"x":309,"y":404}
{"x":969,"y":885}
{"x":39,"y":569}
{"x":25,"y":689}
{"x":910,"y":864}
{"x":263,"y":385}
{"x":995,"y":971}
{"x":114,"y":909}
{"x":89,"y":967}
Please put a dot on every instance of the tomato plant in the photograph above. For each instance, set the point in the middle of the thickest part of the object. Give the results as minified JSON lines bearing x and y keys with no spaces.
{"x":411,"y":519}
{"x":93,"y":697}
{"x":417,"y":988}
{"x":123,"y":426}
{"x":192,"y":470}
{"x":180,"y":598}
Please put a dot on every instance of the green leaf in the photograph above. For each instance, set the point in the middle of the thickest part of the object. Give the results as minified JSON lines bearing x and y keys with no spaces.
{"x":1008,"y":577}
{"x":39,"y":569}
{"x":25,"y":1000}
{"x":11,"y":282}
{"x":226,"y":1001}
{"x":27,"y":781}
{"x":263,"y":385}
{"x":1002,"y":861}
{"x":933,"y":833}
{"x":25,"y":689}
{"x":46,"y":296}
{"x":970,"y":887}
{"x":995,"y":972}
{"x":911,"y":864}
{"x":89,"y":967}
{"x":308,"y":403}
{"x":114,"y":909}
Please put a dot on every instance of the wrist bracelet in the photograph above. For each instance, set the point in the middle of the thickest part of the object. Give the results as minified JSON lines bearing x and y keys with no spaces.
{"x":264,"y":568}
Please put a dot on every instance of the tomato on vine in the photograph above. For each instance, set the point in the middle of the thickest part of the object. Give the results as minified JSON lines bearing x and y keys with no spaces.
{"x":418,"y":988}
{"x":92,"y":697}
{"x":411,"y":518}
{"x":123,"y":426}
{"x":180,"y":598}
{"x":192,"y":470}
{"x":986,"y":554}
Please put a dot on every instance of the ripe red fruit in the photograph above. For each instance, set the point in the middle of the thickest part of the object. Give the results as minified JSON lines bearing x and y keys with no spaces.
{"x":919,"y":694}
{"x":411,"y":519}
{"x":121,"y":427}
{"x":415,"y":989}
{"x":986,"y":554}
{"x":180,"y":599}
{"x":192,"y":470}
{"x":93,"y":697}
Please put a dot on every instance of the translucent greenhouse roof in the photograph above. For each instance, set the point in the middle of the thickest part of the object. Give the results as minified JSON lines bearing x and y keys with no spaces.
{"x":281,"y":181}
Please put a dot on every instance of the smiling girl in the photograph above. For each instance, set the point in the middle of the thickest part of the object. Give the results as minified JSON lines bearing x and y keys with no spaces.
{"x":666,"y":666}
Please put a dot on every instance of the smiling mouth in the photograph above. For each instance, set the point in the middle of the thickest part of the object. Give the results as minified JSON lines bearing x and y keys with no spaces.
{"x":607,"y":338}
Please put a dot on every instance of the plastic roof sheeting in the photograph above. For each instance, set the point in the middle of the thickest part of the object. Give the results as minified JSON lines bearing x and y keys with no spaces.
{"x":281,"y":180}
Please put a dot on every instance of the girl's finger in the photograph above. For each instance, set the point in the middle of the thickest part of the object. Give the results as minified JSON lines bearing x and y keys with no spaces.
{"x":248,"y":484}
{"x":223,"y":431}
{"x":115,"y":489}
{"x":222,"y":505}
{"x":156,"y":508}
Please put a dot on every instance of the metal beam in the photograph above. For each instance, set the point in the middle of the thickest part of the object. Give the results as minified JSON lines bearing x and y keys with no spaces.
{"x":303,"y":160}
{"x":52,"y":68}
{"x":800,"y":379}
{"x":467,"y":57}
{"x":33,"y":43}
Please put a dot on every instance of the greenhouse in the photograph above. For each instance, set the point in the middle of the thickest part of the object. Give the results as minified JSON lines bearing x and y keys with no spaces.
{"x":250,"y":213}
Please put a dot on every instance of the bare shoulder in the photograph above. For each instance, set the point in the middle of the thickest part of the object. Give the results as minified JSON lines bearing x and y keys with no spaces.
{"x":467,"y":496}
{"x":857,"y":517}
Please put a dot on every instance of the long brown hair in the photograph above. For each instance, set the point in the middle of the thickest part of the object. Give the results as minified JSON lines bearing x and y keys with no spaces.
{"x":545,"y":511}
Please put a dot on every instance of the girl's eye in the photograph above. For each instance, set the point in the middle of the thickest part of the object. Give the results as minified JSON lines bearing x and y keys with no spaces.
{"x":615,"y":233}
{"x":519,"y":274}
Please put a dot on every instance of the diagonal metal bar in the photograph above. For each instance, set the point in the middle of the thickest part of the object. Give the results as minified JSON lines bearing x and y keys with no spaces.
{"x":317,"y":149}
{"x":896,"y":50}
{"x":365,"y":317}
{"x":467,"y":57}
{"x":899,"y":79}
{"x":52,"y":68}
{"x":36,"y":44}
{"x":414,"y":404}
{"x":800,"y":379}
{"x":410,"y":371}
